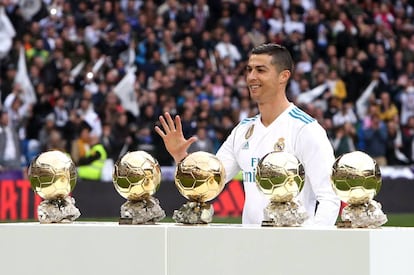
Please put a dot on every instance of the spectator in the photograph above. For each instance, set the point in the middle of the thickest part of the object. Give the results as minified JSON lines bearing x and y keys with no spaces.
{"x":203,"y":142}
{"x":37,"y":51}
{"x":88,"y":114}
{"x":10,"y":151}
{"x":376,"y":140}
{"x":256,"y":34}
{"x":80,"y":145}
{"x":387,"y":109}
{"x":408,"y":138}
{"x":121,"y":138}
{"x":407,"y":104}
{"x":395,"y":144}
{"x":46,"y":130}
{"x":91,"y":164}
{"x":345,"y":114}
{"x":61,"y":113}
{"x":144,"y":140}
{"x":55,"y":141}
{"x":227,"y":49}
{"x":241,"y":17}
{"x":344,"y":141}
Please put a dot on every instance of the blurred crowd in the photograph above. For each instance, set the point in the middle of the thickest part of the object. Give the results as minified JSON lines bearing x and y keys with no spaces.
{"x":103,"y":71}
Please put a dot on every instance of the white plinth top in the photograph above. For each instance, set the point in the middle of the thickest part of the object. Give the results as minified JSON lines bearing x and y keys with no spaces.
{"x":167,"y":248}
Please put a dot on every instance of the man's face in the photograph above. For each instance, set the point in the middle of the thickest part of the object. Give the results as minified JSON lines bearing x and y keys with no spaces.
{"x":4,"y":118}
{"x":261,"y":77}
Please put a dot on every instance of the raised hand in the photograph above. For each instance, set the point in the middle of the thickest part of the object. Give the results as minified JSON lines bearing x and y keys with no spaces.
{"x":172,"y":135}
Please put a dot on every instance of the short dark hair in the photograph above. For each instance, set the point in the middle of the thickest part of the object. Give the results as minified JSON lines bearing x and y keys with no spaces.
{"x":281,"y":56}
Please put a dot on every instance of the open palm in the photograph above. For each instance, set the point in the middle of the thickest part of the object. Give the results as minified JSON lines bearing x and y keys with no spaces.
{"x":172,"y":135}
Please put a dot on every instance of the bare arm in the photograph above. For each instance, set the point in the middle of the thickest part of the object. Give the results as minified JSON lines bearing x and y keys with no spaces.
{"x":172,"y":135}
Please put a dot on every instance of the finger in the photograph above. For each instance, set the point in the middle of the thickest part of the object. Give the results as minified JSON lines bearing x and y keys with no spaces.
{"x":159,"y":131}
{"x":190,"y":141}
{"x":178,"y":123}
{"x":170,"y":122}
{"x":164,"y":125}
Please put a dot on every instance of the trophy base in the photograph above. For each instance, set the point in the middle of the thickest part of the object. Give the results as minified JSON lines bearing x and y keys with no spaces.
{"x":343,"y":224}
{"x":266,"y":223}
{"x":125,"y":220}
{"x":278,"y":214}
{"x":60,"y":210}
{"x":194,"y":213}
{"x":145,"y":211}
{"x":366,"y":215}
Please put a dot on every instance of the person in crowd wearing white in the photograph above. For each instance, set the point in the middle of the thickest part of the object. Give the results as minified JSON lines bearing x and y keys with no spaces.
{"x":10,"y":151}
{"x":227,"y":49}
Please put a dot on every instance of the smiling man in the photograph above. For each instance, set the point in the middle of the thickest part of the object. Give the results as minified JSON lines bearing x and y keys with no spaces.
{"x":281,"y":126}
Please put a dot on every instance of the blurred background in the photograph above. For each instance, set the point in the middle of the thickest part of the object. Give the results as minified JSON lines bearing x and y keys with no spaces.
{"x":79,"y":76}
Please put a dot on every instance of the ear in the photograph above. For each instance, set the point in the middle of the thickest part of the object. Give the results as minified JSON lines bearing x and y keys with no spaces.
{"x":284,"y":76}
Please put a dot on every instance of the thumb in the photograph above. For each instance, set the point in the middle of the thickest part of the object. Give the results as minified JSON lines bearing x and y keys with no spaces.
{"x":190,"y":141}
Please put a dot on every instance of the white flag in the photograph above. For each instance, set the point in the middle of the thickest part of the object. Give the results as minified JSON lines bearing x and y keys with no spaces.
{"x":309,"y":96}
{"x":29,"y":8}
{"x":7,"y":32}
{"x":213,"y":61}
{"x":362,"y":102}
{"x":77,"y":69}
{"x":126,"y":92}
{"x":23,"y":79}
{"x":97,"y":66}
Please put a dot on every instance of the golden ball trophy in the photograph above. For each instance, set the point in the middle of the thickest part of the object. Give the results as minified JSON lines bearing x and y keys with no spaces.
{"x":53,"y":176}
{"x":356,"y":179}
{"x":136,"y":177}
{"x":199,"y":177}
{"x":280,"y":177}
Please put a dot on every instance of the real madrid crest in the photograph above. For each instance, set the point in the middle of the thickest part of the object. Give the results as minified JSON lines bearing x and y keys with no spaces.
{"x":249,"y":132}
{"x":279,"y":145}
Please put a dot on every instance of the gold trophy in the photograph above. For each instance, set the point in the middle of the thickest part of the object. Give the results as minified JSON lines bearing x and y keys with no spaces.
{"x":136,"y":177}
{"x":200,"y":177}
{"x":280,"y":177}
{"x":356,"y":179}
{"x":53,"y":176}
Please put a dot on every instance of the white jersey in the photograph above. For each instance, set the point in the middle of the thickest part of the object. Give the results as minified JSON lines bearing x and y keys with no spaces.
{"x":297,"y":133}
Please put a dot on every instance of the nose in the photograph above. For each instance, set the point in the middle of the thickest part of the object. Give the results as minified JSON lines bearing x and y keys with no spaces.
{"x":250,"y":75}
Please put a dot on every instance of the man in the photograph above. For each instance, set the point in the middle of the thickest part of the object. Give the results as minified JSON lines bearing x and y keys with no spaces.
{"x":91,"y":165}
{"x":279,"y":124}
{"x":10,"y":151}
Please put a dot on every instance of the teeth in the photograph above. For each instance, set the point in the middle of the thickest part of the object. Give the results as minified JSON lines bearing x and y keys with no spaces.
{"x":254,"y":86}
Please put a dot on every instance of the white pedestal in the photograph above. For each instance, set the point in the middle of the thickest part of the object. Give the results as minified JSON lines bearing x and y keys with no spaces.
{"x":287,"y":251}
{"x":109,"y":248}
{"x":81,"y":249}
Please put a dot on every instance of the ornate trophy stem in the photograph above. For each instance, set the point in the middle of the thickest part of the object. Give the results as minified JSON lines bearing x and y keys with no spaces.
{"x":145,"y":211}
{"x":290,"y":213}
{"x":194,"y":213}
{"x":366,"y":215}
{"x":60,"y":210}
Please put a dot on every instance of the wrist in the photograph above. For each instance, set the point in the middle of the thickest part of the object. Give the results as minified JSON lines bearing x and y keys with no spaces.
{"x":180,"y":158}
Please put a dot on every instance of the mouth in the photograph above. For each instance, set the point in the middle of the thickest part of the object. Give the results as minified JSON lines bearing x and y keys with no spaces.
{"x":254,"y":87}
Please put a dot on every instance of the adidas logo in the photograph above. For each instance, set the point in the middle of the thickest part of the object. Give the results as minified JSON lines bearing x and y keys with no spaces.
{"x":246,"y":146}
